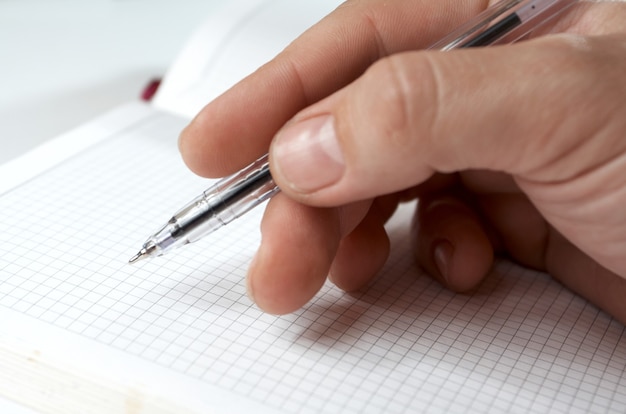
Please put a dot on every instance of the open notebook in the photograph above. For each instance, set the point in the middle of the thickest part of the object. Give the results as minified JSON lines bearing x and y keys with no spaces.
{"x":83,"y":331}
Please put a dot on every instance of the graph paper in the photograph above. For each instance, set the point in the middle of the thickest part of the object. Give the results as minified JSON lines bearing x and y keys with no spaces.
{"x":520,"y":343}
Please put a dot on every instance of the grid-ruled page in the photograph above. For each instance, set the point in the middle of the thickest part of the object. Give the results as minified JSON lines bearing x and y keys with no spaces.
{"x":520,"y":343}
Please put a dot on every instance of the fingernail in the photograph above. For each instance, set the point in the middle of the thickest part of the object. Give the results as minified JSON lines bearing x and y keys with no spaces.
{"x":442,"y":254}
{"x":308,"y":155}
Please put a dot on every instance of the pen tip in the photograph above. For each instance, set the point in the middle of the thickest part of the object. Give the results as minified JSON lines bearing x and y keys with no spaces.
{"x":148,"y":249}
{"x":140,"y":255}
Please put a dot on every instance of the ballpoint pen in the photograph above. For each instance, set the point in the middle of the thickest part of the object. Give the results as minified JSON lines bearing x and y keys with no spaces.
{"x":505,"y":22}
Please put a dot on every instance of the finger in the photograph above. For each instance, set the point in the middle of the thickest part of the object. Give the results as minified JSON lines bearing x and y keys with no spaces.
{"x":237,"y":127}
{"x":363,"y":252}
{"x":298,"y":246}
{"x":488,"y":182}
{"x":521,"y":229}
{"x":585,"y":276}
{"x":515,"y":109}
{"x":451,"y":242}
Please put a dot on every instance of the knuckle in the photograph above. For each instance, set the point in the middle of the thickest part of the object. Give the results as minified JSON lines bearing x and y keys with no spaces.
{"x":408,"y":96}
{"x":599,"y":60}
{"x":595,"y":66}
{"x":588,"y":104}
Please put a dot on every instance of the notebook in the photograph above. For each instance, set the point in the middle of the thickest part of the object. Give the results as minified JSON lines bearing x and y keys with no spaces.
{"x":82,"y":331}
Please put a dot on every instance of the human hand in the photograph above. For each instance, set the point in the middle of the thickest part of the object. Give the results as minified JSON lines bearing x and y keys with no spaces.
{"x":517,"y":150}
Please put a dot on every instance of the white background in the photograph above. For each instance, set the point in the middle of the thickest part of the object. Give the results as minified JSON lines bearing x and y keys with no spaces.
{"x":63,"y":62}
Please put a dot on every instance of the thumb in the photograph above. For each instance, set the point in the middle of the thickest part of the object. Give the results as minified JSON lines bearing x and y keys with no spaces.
{"x":514,"y":109}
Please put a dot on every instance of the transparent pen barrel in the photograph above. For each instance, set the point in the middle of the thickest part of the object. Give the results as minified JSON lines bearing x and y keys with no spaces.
{"x":225,"y":201}
{"x":474,"y":27}
{"x":523,"y":14}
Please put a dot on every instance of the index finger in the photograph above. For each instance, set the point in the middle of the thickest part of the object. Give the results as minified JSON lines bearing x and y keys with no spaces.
{"x":237,"y":127}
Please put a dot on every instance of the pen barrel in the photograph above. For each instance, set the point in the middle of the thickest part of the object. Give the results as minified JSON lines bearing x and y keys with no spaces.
{"x":225,"y":201}
{"x":234,"y":196}
{"x":506,"y":21}
{"x":473,"y":28}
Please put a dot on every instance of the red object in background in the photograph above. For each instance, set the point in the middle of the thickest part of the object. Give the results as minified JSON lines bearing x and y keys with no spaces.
{"x":150,"y":89}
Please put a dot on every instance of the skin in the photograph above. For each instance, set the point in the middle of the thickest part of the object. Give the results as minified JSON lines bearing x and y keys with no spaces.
{"x":516,"y":150}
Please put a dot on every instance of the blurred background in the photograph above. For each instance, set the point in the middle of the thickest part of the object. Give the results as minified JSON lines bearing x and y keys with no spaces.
{"x":63,"y":62}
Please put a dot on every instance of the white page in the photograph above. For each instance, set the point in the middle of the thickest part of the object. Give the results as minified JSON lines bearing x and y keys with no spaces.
{"x":234,"y":41}
{"x":48,"y":362}
{"x":520,"y":343}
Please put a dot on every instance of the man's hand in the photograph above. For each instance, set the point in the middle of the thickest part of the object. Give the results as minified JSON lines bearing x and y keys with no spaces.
{"x":516,"y":149}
